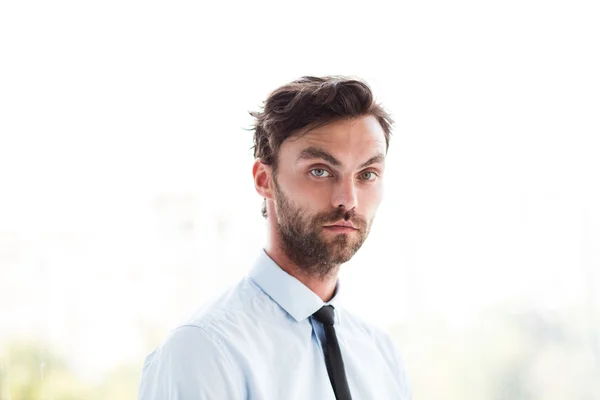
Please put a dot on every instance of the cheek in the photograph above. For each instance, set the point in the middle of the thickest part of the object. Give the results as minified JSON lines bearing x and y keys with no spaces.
{"x":312,"y":196}
{"x":380,"y":193}
{"x":302,"y":198}
{"x":372,"y":199}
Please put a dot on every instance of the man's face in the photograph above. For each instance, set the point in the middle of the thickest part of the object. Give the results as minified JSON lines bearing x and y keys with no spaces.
{"x":331,"y":175}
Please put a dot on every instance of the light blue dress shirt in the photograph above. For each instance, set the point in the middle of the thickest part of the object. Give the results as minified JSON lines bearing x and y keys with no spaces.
{"x":258,"y":341}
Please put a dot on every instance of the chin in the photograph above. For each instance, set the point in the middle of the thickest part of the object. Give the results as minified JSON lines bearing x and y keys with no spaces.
{"x":343,"y":255}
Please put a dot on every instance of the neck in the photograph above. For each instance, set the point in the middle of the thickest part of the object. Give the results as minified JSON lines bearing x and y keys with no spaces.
{"x":322,"y":286}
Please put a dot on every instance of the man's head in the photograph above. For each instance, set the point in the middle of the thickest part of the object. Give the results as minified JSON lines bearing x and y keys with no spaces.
{"x":320,"y":145}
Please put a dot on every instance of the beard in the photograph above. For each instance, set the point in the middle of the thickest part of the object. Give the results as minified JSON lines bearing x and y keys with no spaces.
{"x":304,"y":241}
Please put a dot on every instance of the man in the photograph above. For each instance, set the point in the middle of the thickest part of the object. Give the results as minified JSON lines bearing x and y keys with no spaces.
{"x":281,"y":333}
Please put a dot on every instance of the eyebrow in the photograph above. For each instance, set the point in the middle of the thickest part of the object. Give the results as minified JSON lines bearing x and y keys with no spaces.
{"x":312,"y":152}
{"x":373,"y":160}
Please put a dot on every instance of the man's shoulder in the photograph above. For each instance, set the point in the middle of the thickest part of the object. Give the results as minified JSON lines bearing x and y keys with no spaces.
{"x":208,"y":327}
{"x":234,"y":303}
{"x":193,"y":361}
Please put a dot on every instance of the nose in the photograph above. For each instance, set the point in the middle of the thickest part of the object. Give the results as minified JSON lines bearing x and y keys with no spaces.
{"x":344,"y":194}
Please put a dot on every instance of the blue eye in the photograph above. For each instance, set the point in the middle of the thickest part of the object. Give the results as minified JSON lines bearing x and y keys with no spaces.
{"x":319,"y":172}
{"x":369,"y":174}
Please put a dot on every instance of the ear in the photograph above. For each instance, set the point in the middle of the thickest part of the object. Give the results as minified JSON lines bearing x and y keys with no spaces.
{"x":262,"y":174}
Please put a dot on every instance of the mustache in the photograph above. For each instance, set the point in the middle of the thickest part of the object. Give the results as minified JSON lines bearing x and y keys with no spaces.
{"x":346,"y":215}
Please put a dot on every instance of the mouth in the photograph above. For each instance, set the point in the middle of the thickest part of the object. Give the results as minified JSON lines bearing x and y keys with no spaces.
{"x":340,"y":228}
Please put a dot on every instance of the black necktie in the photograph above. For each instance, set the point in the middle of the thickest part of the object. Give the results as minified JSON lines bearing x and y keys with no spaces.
{"x":333,"y":355}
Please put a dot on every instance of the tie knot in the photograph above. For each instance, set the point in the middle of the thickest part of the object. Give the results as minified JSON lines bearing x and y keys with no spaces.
{"x":325,"y":315}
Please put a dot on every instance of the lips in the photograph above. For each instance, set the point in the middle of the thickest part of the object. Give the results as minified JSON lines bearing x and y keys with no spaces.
{"x":340,"y":228}
{"x":342,"y":225}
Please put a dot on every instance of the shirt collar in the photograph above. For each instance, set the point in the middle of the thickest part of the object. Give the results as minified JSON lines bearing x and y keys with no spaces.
{"x":291,"y":294}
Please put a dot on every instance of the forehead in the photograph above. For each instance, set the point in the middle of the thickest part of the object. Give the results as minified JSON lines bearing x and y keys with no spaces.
{"x":351,"y":140}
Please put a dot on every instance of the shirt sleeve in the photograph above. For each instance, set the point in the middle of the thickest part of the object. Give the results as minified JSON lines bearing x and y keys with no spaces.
{"x":190,"y":365}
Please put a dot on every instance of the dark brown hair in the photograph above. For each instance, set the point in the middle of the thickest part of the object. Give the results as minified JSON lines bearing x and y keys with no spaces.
{"x":311,"y":101}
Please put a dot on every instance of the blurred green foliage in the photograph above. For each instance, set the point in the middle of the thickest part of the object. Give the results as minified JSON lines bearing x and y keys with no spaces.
{"x":29,"y":370}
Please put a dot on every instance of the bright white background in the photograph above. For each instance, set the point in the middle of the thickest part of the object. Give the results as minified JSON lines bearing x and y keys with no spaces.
{"x":126,"y":196}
